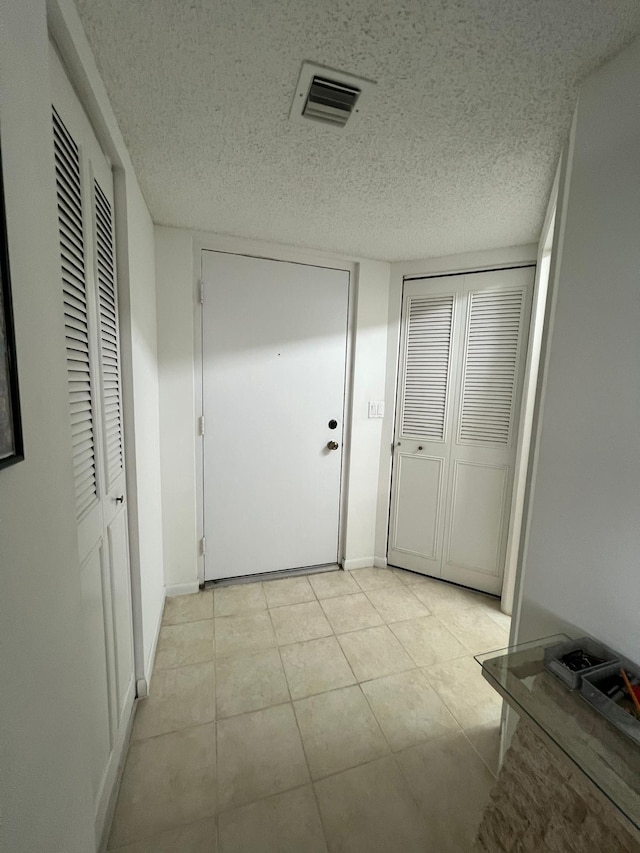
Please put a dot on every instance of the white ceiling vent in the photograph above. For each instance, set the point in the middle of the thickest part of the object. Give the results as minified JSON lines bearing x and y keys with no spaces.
{"x":330,"y":97}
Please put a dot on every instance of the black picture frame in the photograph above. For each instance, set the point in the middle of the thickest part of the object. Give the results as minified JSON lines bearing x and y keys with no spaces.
{"x":11,"y":447}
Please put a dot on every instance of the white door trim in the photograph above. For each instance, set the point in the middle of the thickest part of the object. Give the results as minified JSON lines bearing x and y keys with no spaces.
{"x":256,"y":249}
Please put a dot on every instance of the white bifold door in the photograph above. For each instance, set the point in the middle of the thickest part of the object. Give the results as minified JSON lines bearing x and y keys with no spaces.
{"x":88,"y":303}
{"x":462,"y":359}
{"x":274,"y":356}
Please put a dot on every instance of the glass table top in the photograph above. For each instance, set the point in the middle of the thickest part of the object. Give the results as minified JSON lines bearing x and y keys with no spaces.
{"x":604,"y":754}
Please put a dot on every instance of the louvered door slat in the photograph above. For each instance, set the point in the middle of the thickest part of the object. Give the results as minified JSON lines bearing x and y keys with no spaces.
{"x":72,"y":258}
{"x":491,"y":367}
{"x":426,"y":380}
{"x":109,"y":355}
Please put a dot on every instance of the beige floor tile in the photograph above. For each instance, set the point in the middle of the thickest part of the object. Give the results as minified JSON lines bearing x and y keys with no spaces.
{"x":441,"y":597}
{"x":248,"y":682}
{"x":428,"y":641}
{"x":452,"y":787}
{"x":351,"y":613}
{"x":486,"y":741}
{"x":370,"y":810}
{"x":397,"y":604}
{"x":464,"y":691}
{"x":259,"y":754}
{"x":475,"y":630}
{"x":237,"y":634}
{"x":194,"y":838}
{"x":331,"y":584}
{"x":179,"y":697}
{"x":338,"y":731}
{"x":238,"y":600}
{"x":285,"y":823}
{"x":372,"y":578}
{"x":288,"y":591}
{"x":315,"y":667}
{"x":188,"y":608}
{"x":184,"y":644}
{"x":408,"y":578}
{"x":492,"y":609}
{"x":374,"y":652}
{"x":408,"y":709}
{"x":299,"y":622}
{"x":168,"y":781}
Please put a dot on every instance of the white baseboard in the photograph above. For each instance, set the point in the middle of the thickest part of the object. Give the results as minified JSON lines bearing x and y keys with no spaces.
{"x":357,"y":563}
{"x":143,"y":684}
{"x":380,"y":562}
{"x":181,"y":588}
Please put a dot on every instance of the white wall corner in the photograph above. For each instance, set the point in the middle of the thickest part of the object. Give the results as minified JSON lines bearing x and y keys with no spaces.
{"x":182,"y":589}
{"x":380,"y":562}
{"x":358,"y":563}
{"x":177,"y":400}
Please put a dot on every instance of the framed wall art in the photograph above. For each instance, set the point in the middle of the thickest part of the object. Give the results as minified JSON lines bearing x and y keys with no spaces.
{"x":11,"y":450}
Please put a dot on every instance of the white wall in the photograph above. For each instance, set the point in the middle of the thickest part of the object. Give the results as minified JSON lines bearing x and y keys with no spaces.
{"x":176,"y":348}
{"x":581,"y":568}
{"x":469,"y":261}
{"x":45,"y":787}
{"x":138,"y":336}
{"x":369,"y":377}
{"x":143,"y":448}
{"x":178,"y":265}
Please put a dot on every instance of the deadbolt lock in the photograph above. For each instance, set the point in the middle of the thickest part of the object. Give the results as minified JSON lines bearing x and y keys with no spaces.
{"x":332,"y":445}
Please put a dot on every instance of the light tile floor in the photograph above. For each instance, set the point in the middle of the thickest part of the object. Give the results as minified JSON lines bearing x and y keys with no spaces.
{"x":338,"y":712}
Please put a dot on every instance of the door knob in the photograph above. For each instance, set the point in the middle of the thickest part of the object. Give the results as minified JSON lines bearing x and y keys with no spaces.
{"x":332,"y":445}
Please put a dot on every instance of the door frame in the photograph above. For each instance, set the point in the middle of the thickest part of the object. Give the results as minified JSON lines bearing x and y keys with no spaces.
{"x":472,"y":262}
{"x":257,"y":249}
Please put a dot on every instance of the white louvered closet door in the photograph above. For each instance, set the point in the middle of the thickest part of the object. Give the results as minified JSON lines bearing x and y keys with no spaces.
{"x":463,"y":348}
{"x":84,"y":186}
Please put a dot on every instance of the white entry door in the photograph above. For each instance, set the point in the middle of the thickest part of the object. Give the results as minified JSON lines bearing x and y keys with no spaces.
{"x":274,"y":357}
{"x":89,"y":305}
{"x":463,"y":348}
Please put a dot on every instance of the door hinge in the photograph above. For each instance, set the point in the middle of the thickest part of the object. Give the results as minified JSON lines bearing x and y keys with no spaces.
{"x":203,"y":545}
{"x":201,"y":290}
{"x":201,"y":424}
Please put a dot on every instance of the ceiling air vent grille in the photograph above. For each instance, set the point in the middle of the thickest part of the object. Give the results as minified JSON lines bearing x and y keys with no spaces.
{"x":329,"y":101}
{"x":330,"y":97}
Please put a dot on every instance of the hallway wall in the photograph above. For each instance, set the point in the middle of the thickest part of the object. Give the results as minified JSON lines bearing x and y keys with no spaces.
{"x":45,"y":787}
{"x":581,"y":567}
{"x":45,"y":739}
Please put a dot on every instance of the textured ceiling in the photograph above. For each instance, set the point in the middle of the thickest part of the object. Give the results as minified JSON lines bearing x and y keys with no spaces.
{"x":456,"y":151}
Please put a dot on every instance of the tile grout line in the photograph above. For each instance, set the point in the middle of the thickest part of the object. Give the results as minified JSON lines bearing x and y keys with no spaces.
{"x":479,"y":754}
{"x":306,"y":757}
{"x":216,"y":827}
{"x":215,"y":728}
